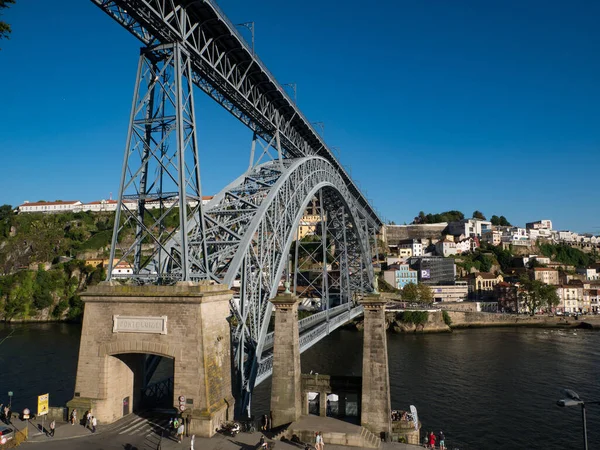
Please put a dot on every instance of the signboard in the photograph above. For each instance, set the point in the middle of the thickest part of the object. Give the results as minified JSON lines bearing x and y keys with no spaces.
{"x":415,"y":416}
{"x":43,"y":401}
{"x":425,"y":274}
{"x":139,"y":324}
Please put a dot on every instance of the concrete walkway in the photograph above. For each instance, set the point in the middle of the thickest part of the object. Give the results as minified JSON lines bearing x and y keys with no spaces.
{"x":78,"y":434}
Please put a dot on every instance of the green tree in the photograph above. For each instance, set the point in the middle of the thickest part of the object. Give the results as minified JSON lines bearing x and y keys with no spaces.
{"x":447,"y":318}
{"x":4,"y":27}
{"x":485,"y":262}
{"x":478,"y":215}
{"x":534,"y":295}
{"x":500,"y":221}
{"x":504,"y":222}
{"x":410,"y":292}
{"x":425,"y":293}
{"x":447,"y":216}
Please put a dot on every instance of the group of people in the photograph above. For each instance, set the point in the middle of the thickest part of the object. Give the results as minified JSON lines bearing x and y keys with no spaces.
{"x":176,"y":424}
{"x":430,"y":439}
{"x":319,"y":444}
{"x":399,"y":415}
{"x":90,"y":421}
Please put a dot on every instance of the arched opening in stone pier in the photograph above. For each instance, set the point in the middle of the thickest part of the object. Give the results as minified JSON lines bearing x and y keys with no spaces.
{"x":140,"y":382}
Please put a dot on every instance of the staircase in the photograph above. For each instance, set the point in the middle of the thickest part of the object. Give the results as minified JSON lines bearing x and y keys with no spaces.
{"x":370,"y":440}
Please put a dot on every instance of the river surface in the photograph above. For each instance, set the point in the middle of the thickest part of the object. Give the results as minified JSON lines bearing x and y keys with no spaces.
{"x":493,"y":388}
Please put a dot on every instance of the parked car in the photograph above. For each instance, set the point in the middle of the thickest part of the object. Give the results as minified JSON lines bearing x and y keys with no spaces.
{"x":6,"y":434}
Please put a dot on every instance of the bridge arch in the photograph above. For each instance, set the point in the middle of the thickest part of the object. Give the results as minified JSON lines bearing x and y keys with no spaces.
{"x":250,"y":226}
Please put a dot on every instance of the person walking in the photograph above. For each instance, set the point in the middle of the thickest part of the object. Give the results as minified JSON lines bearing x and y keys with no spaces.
{"x":319,"y":441}
{"x":442,"y":443}
{"x":52,"y":428}
{"x":73,"y":416}
{"x":192,"y":441}
{"x":426,"y":440}
{"x":94,"y":423}
{"x":431,"y":440}
{"x":180,"y":433}
{"x":88,"y":419}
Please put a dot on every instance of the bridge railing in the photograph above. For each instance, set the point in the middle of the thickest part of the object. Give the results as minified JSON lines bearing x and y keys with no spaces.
{"x":311,"y":321}
{"x":311,"y":337}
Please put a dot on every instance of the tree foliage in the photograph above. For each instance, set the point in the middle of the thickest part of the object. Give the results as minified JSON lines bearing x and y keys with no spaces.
{"x":500,"y":221}
{"x":26,"y":292}
{"x":447,"y":216}
{"x":567,"y":255}
{"x":4,"y":27}
{"x":478,"y":215}
{"x":417,"y":293}
{"x":447,"y":318}
{"x":533,"y":295}
{"x":415,"y":317}
{"x":410,"y":292}
{"x":425,"y":293}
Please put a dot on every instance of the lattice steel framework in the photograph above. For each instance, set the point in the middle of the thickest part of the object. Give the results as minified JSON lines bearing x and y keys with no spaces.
{"x":250,"y":227}
{"x":243,"y":237}
{"x":161,"y":174}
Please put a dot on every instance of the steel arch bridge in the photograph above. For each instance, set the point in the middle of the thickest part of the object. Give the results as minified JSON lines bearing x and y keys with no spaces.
{"x":164,"y":232}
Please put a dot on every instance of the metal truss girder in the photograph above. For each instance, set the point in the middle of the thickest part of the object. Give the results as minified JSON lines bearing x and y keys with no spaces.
{"x":161,"y":173}
{"x":257,"y":260}
{"x":230,"y":72}
{"x":309,"y":339}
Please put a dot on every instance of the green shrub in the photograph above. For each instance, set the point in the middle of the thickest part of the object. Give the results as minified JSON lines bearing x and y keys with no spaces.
{"x":60,"y":308}
{"x":447,"y":319}
{"x":416,"y":317}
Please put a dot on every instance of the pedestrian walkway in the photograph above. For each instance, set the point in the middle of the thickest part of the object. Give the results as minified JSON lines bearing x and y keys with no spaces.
{"x":132,"y":425}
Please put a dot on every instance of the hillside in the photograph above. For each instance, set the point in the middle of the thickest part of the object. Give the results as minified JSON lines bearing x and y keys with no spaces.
{"x":42,"y":262}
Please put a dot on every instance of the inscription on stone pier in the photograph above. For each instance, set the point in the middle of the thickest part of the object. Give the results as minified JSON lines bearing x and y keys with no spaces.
{"x":139,"y":324}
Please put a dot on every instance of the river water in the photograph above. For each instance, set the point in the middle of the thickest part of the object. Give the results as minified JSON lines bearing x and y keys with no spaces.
{"x":493,"y":388}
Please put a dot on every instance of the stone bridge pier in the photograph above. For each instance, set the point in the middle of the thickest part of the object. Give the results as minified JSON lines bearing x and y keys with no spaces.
{"x":186,"y":322}
{"x":376,"y":401}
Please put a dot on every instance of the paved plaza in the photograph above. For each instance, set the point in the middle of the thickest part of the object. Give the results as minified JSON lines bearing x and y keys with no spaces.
{"x":143,"y":432}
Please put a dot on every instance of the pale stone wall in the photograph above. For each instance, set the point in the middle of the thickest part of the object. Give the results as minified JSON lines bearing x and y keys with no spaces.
{"x":376,"y":404}
{"x":197,"y":338}
{"x":286,"y":401}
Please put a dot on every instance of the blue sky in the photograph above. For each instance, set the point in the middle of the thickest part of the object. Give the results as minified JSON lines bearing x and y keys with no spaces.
{"x":434,"y":105}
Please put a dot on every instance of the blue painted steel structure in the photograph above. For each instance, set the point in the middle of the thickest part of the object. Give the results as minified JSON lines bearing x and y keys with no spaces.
{"x":243,"y":236}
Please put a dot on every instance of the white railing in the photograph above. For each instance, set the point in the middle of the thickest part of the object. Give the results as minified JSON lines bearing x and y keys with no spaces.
{"x":311,"y":337}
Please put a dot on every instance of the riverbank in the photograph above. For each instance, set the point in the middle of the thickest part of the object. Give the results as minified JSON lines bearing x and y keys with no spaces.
{"x":435,"y":323}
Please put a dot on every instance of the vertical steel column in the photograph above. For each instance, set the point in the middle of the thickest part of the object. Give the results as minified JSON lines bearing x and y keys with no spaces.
{"x":183,"y":236}
{"x":324,"y":281}
{"x":116,"y":227}
{"x":161,"y":175}
{"x":141,"y":203}
{"x":345,"y":259}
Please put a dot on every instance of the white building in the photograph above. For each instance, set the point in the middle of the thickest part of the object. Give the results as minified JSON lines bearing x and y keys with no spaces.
{"x":516,"y":236}
{"x":48,"y":207}
{"x":543,"y":224}
{"x":122,"y":269}
{"x":445,"y":248}
{"x":450,"y":292}
{"x":590,"y":274}
{"x":541,"y":259}
{"x":469,"y":227}
{"x":567,"y":236}
{"x":493,"y":237}
{"x":571,"y":298}
{"x":414,"y":245}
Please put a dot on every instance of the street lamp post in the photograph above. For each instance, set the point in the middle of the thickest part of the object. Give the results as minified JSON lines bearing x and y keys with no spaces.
{"x":574,"y":400}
